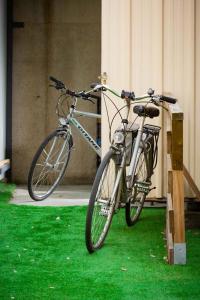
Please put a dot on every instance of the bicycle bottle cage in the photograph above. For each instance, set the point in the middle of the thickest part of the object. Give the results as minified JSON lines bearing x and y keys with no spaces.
{"x":148,"y":111}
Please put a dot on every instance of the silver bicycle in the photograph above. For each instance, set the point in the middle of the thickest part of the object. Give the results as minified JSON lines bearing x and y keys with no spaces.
{"x":124,"y":175}
{"x":51,"y":159}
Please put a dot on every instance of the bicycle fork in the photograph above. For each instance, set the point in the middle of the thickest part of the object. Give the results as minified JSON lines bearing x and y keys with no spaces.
{"x":117,"y":183}
{"x":56,"y":164}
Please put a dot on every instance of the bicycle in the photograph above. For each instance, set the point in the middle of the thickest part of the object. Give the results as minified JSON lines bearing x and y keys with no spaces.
{"x":51,"y":159}
{"x":124,"y":175}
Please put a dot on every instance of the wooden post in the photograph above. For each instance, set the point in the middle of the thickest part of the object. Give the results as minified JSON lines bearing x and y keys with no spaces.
{"x":175,"y":221}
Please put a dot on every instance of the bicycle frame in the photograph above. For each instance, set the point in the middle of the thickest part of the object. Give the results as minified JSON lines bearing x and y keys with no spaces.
{"x":135,"y":153}
{"x":133,"y":162}
{"x":71,"y":119}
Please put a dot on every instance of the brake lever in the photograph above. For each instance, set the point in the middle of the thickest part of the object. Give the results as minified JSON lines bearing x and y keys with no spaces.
{"x":158,"y":102}
{"x":155,"y":101}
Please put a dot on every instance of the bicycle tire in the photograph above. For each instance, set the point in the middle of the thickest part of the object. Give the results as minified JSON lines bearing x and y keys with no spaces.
{"x":136,"y":200}
{"x":99,"y":206}
{"x":49,"y":183}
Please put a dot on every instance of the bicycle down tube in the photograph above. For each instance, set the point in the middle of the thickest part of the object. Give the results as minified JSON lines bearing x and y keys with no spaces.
{"x":86,"y":135}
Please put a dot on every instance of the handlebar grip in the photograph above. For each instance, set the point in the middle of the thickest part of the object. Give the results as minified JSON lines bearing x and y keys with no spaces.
{"x":59,"y":84}
{"x":54,"y":79}
{"x":168,"y":99}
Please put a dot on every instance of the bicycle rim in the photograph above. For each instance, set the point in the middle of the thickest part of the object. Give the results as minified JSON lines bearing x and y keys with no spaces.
{"x":137,"y":198}
{"x":49,"y":165}
{"x":101,"y":204}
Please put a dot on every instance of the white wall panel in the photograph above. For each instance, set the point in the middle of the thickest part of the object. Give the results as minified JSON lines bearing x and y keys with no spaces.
{"x":178,"y":68}
{"x":2,"y":77}
{"x":115,"y":55}
{"x":163,"y":52}
{"x":146,"y":63}
{"x":197,"y":94}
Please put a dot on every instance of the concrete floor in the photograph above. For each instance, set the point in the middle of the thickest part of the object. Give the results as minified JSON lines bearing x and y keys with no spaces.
{"x":62,"y":196}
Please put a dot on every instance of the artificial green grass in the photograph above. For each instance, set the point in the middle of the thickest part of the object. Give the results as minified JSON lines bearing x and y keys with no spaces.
{"x":43,"y":256}
{"x":6,"y":191}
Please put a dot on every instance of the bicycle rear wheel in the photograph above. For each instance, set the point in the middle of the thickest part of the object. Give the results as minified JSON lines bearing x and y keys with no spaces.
{"x":101,"y":207}
{"x":138,"y":194}
{"x":49,"y":164}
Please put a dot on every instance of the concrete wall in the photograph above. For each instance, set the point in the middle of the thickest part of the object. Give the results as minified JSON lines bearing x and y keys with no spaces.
{"x":2,"y":77}
{"x":60,"y":38}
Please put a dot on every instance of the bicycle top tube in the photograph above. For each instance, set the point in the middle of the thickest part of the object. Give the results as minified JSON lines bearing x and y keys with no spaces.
{"x":86,"y":114}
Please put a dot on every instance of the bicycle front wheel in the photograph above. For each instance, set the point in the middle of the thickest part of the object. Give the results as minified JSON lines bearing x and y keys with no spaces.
{"x":101,"y":203}
{"x":49,"y":164}
{"x":138,"y":194}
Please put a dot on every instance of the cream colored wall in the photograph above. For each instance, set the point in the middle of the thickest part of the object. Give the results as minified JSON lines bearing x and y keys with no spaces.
{"x":115,"y":41}
{"x":156,"y":43}
{"x":2,"y":78}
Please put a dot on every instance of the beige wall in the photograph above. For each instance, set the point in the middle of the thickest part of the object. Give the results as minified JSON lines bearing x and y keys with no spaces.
{"x":155,"y":43}
{"x":63,"y":39}
{"x":2,"y":79}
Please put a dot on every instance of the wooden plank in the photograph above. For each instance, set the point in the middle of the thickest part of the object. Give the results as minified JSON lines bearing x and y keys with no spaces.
{"x":191,"y":182}
{"x":177,"y":144}
{"x":4,"y":166}
{"x":170,"y":245}
{"x":178,"y":206}
{"x":4,"y":162}
{"x":170,"y":213}
{"x":175,"y":139}
{"x":175,"y":111}
{"x":170,"y":185}
{"x":169,"y":142}
{"x":169,"y":162}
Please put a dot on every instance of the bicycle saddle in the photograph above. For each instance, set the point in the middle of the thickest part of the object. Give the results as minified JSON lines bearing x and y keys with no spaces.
{"x":149,"y":111}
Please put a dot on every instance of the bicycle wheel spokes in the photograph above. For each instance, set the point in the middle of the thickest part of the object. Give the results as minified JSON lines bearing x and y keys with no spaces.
{"x":101,"y":204}
{"x":137,"y":197}
{"x":49,"y":165}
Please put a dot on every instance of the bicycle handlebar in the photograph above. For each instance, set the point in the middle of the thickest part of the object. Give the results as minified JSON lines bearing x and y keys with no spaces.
{"x":150,"y":94}
{"x":59,"y":85}
{"x":101,"y":87}
{"x":168,"y":99}
{"x":127,"y":95}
